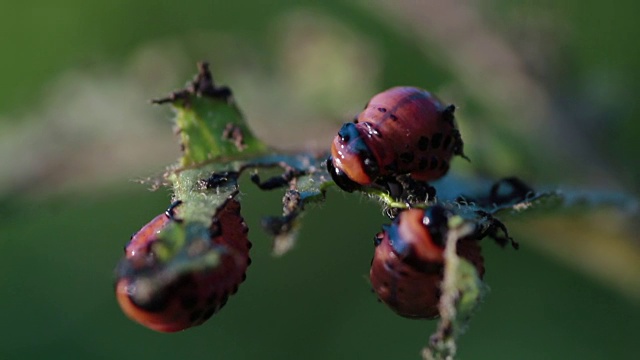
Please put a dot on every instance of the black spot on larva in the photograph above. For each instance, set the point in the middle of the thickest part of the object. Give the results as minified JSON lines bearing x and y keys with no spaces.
{"x":423,"y":143}
{"x":403,"y":273}
{"x":393,"y":117}
{"x":195,"y":316}
{"x":406,"y":157}
{"x":211,"y":299}
{"x":382,"y":110}
{"x":223,"y":302}
{"x":234,"y":289}
{"x":209,"y":313}
{"x":355,"y":120}
{"x":248,"y":261}
{"x":244,"y":277}
{"x":424,"y":162}
{"x":434,"y":163}
{"x":436,"y":140}
{"x":444,"y":165}
{"x":393,"y":167}
{"x":447,"y":142}
{"x":188,"y":301}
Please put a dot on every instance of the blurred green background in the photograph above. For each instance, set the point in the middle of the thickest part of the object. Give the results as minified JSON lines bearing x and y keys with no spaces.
{"x":545,"y":90}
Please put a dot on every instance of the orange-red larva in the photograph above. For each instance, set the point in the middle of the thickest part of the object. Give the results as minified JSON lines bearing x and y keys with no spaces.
{"x":403,"y":130}
{"x":408,"y":264}
{"x":185,"y":299}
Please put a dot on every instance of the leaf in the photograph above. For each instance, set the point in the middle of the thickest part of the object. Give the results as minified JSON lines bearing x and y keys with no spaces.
{"x":218,"y":147}
{"x":209,"y":123}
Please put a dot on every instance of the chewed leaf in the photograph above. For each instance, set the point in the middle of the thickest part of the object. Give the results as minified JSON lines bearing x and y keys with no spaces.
{"x":209,"y":123}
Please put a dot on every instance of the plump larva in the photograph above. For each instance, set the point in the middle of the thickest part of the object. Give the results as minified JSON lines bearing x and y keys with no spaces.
{"x":403,"y":130}
{"x":184,"y":299}
{"x":408,"y":264}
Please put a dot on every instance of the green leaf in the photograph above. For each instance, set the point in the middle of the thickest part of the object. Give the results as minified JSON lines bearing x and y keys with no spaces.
{"x":211,"y":128}
{"x":209,"y":123}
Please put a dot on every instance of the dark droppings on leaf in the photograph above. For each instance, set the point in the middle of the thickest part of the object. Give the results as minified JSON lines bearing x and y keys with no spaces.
{"x":218,"y":179}
{"x":201,"y":85}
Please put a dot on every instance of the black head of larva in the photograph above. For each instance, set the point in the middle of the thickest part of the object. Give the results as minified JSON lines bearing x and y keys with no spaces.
{"x":356,"y":146}
{"x":436,"y":219}
{"x":347,"y":132}
{"x":340,"y":178}
{"x":351,"y":157}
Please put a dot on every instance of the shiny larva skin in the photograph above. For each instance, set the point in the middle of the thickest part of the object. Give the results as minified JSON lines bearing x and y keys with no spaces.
{"x":407,"y":267}
{"x":403,"y":130}
{"x":190,"y":299}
